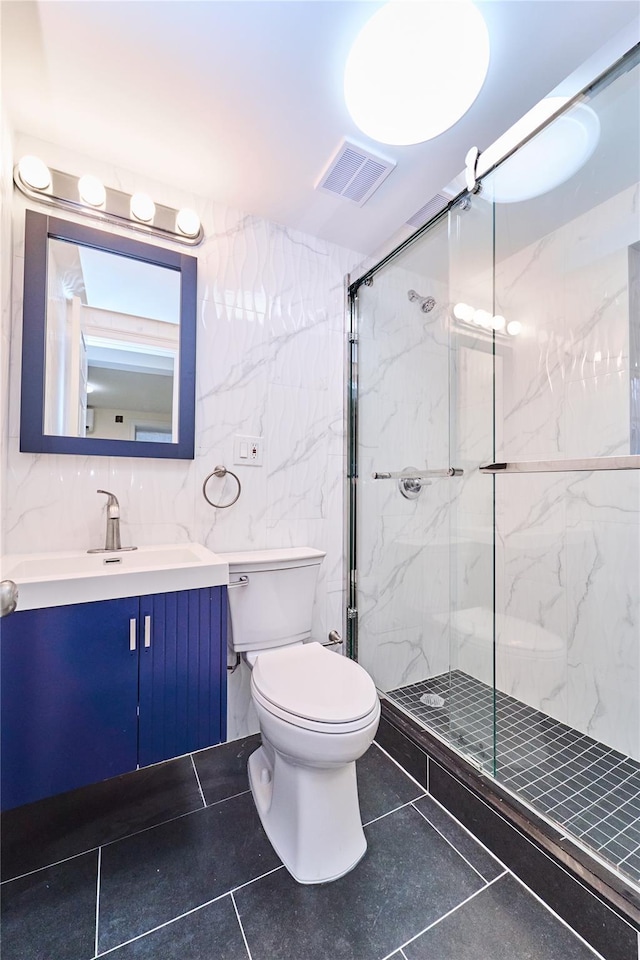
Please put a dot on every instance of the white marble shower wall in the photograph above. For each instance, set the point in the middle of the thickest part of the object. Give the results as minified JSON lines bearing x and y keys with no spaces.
{"x":270,"y":363}
{"x":403,"y":545}
{"x":568,"y":570}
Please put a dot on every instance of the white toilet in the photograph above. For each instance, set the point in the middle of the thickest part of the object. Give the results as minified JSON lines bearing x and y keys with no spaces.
{"x":318,"y":714}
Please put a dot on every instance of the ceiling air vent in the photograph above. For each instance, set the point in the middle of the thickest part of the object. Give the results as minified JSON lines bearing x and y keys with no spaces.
{"x":428,"y":211}
{"x":354,"y":173}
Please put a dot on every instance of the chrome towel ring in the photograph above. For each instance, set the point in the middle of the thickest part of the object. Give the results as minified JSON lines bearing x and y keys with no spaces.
{"x":221,"y":472}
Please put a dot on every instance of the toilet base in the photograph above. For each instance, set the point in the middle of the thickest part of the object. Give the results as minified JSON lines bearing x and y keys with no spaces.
{"x":311,"y":815}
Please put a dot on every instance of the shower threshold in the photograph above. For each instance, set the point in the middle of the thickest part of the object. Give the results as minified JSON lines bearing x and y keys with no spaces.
{"x":590,"y":790}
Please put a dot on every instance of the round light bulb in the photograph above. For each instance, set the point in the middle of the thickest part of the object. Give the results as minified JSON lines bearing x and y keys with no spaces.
{"x":415,"y":69}
{"x":143,"y":207}
{"x":514,"y":327}
{"x":92,"y":190}
{"x":35,"y":173}
{"x":482,"y":318}
{"x":462,"y":311}
{"x":498,"y":322}
{"x":188,"y":222}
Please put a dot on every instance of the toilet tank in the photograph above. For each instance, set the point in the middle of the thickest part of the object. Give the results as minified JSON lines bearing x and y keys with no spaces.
{"x":275,"y":607}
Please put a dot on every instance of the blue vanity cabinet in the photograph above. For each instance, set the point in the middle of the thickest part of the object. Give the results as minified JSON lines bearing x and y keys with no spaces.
{"x":93,"y":690}
{"x":69,"y":698}
{"x":183,"y":704}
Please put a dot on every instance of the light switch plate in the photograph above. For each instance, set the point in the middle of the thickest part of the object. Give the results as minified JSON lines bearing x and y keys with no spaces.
{"x":248,"y":451}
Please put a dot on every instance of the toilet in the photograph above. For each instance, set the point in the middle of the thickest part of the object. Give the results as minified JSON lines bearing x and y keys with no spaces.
{"x":318,"y":713}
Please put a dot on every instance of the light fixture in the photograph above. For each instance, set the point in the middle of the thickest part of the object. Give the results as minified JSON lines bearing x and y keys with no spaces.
{"x":34,"y":173}
{"x":514,"y":327}
{"x":92,"y":190}
{"x":188,"y":222}
{"x":88,"y":196}
{"x":482,"y":318}
{"x":550,"y":158}
{"x":90,"y":388}
{"x":142,"y":207}
{"x":498,"y":322}
{"x":415,"y":68}
{"x":462,"y":311}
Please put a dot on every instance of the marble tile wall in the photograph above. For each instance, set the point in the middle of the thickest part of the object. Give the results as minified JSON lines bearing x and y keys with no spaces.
{"x":568,"y":572}
{"x":270,"y":363}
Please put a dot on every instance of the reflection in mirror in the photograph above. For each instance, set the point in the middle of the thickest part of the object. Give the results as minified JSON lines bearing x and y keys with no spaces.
{"x":112,"y":346}
{"x":109,"y":339}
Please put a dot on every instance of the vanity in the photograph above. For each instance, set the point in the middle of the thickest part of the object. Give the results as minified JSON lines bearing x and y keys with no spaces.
{"x":110,"y":666}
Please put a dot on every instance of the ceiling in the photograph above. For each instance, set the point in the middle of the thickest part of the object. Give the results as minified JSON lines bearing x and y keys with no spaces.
{"x":242,"y":101}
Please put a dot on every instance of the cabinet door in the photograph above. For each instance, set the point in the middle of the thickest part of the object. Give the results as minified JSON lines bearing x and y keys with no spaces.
{"x":69,"y":698}
{"x":182,"y":673}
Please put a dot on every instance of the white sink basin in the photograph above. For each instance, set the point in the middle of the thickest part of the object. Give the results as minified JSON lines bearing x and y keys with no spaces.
{"x":57,"y":579}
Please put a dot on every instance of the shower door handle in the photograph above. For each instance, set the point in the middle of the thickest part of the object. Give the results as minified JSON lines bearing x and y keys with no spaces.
{"x":418,"y":474}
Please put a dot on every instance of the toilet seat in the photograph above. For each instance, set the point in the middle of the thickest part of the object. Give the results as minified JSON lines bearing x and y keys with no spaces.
{"x":312,"y":688}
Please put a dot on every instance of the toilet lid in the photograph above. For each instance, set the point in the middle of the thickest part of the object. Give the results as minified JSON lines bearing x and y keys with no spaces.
{"x":312,"y":683}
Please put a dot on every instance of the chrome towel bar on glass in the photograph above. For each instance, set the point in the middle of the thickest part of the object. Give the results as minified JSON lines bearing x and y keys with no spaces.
{"x":221,"y":472}
{"x":419,"y":474}
{"x":564,"y":466}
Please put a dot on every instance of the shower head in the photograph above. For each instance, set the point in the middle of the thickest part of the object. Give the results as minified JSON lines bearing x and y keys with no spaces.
{"x":426,"y":303}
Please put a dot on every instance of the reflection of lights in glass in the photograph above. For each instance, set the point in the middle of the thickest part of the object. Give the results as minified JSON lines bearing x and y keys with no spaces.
{"x":90,"y":388}
{"x":35,"y":173}
{"x":188,"y":222}
{"x":597,"y":357}
{"x":143,"y":207}
{"x":550,"y":158}
{"x":498,"y":322}
{"x":415,"y":68}
{"x":92,"y":190}
{"x":482,"y":318}
{"x":462,"y":311}
{"x":514,"y":327}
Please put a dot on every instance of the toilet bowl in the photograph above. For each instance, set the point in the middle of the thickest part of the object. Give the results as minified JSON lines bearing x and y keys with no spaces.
{"x":318,"y":713}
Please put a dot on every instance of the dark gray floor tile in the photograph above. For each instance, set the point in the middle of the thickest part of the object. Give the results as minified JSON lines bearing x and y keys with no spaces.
{"x":503,"y":922}
{"x":382,"y":785}
{"x":223,"y":769}
{"x":41,"y":833}
{"x":470,"y":849}
{"x":408,"y":878}
{"x":157,"y":875}
{"x":51,"y":913}
{"x":212,"y":933}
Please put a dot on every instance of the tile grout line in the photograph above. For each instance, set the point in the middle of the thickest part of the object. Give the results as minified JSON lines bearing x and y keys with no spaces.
{"x":95,"y":949}
{"x":540,"y":850}
{"x":468,"y":832}
{"x":400,"y":767}
{"x":400,"y":806}
{"x":193,"y":764}
{"x":108,"y":843}
{"x":235,"y":907}
{"x":445,"y":915}
{"x":451,"y":844}
{"x":248,"y":883}
{"x":556,"y":915}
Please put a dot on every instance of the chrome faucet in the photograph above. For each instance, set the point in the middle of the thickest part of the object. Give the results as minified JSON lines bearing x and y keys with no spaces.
{"x":112,"y":540}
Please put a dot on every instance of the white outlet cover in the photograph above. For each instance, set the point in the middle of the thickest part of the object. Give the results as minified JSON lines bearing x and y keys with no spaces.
{"x":248,"y":451}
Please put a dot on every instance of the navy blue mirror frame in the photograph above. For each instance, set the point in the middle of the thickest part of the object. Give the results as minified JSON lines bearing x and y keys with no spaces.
{"x":39,"y":228}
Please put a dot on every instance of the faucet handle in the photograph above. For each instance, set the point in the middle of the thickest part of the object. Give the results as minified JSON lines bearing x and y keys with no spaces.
{"x":112,"y":503}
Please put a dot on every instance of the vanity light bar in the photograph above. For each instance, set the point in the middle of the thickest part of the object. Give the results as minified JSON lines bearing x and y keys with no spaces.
{"x":64,"y":190}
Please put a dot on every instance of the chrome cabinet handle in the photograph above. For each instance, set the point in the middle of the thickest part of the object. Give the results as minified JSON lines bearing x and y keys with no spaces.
{"x":132,"y":633}
{"x":147,"y":631}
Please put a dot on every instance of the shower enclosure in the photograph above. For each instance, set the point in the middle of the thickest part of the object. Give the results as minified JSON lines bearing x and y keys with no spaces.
{"x":495,"y":472}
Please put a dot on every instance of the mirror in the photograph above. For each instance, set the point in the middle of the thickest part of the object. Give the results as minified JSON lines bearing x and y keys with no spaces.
{"x":108,"y":360}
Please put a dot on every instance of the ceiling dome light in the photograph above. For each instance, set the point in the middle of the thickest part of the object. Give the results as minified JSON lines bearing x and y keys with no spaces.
{"x":550,"y":158}
{"x":415,"y":68}
{"x":35,"y":173}
{"x":188,"y":222}
{"x":92,"y":190}
{"x":142,"y":207}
